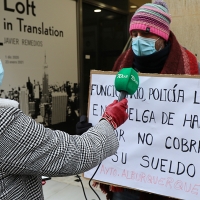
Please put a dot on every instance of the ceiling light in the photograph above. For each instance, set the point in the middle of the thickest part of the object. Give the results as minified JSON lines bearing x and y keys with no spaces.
{"x":97,"y":10}
{"x":133,"y":6}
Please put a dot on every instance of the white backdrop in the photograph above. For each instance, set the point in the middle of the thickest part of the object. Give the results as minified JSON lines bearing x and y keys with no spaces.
{"x":23,"y":51}
{"x":159,"y":143}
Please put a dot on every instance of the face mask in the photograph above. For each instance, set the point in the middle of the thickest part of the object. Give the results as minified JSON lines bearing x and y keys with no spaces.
{"x":143,"y":46}
{"x":1,"y":72}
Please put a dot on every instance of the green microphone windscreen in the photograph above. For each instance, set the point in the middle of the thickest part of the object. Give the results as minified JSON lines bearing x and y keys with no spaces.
{"x":127,"y":80}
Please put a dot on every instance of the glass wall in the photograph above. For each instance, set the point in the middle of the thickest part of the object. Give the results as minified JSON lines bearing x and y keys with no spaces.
{"x":105,"y":34}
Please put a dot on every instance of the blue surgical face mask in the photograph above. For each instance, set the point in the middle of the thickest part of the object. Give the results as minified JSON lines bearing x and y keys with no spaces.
{"x":1,"y":72}
{"x":143,"y":46}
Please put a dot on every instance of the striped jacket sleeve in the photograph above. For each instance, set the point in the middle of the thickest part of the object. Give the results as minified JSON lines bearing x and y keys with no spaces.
{"x":28,"y":148}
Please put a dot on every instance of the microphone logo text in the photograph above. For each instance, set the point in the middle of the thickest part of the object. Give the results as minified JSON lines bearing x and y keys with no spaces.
{"x":133,"y":79}
{"x":126,"y":76}
{"x":122,"y":76}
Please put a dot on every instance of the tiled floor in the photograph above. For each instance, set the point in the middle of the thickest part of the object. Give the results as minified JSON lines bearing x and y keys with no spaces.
{"x":66,"y":188}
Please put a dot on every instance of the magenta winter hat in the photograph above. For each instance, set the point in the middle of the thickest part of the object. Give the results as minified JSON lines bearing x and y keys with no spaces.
{"x":153,"y":18}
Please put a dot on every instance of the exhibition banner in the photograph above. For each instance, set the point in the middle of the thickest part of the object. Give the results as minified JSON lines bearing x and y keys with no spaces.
{"x":160,"y":142}
{"x":38,"y":50}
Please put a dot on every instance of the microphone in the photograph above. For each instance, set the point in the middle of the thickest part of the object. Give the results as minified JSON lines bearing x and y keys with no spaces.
{"x":126,"y":82}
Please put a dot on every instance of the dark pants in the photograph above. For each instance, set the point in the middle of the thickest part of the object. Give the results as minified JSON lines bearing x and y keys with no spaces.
{"x":127,"y":194}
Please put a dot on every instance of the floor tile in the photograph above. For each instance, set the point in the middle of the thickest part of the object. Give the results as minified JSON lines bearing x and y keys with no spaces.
{"x":66,"y":188}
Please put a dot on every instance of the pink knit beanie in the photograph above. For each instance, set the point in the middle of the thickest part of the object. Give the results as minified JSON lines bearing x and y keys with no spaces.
{"x":153,"y":18}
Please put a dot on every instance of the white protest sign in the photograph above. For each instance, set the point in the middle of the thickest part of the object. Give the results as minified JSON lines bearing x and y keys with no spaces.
{"x":160,"y":142}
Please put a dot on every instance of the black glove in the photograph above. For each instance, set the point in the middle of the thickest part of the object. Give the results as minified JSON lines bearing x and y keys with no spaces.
{"x":82,"y":126}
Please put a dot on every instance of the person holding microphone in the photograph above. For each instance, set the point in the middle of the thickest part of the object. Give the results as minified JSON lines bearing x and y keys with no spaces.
{"x":29,"y":151}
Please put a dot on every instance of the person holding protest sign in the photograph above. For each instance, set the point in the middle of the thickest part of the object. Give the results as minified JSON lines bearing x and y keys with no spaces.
{"x":154,"y":49}
{"x":28,"y":150}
